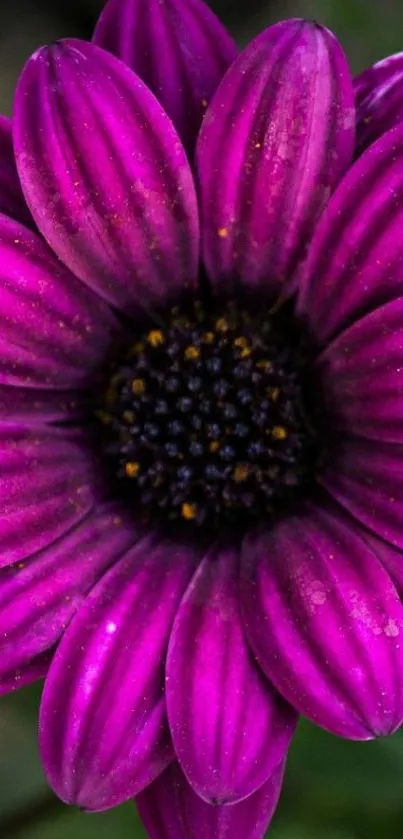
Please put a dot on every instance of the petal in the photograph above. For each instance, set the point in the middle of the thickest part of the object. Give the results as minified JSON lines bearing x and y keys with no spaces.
{"x":49,"y":481}
{"x":368,"y":481}
{"x":22,"y":676}
{"x":32,"y":406}
{"x":390,"y":557}
{"x":355,"y":258}
{"x":54,"y":332}
{"x":229,"y":728}
{"x":179,"y":48}
{"x":325,"y":621}
{"x":105,"y":175}
{"x":12,"y":202}
{"x":39,"y":597}
{"x":170,"y":809}
{"x":379,"y":100}
{"x":363,"y":372}
{"x":275,"y":141}
{"x":103,"y":728}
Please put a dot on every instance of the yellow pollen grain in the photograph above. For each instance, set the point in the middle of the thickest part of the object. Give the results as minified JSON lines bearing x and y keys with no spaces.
{"x":132,"y":469}
{"x":222,"y":325}
{"x":191,"y":353}
{"x":264,"y":364}
{"x":208,"y":338}
{"x":214,"y":446}
{"x":138,"y":386}
{"x":129,"y":417}
{"x":188,"y":511}
{"x":204,"y":103}
{"x":105,"y":418}
{"x":241,"y":342}
{"x":223,"y":232}
{"x":240,"y":472}
{"x":274,"y":393}
{"x":155,"y":338}
{"x":279,"y":432}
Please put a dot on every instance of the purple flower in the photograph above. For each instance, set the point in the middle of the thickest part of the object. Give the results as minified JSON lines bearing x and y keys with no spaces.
{"x":201,"y":409}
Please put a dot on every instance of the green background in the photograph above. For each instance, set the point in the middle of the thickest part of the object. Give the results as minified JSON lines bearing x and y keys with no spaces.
{"x":333,"y":789}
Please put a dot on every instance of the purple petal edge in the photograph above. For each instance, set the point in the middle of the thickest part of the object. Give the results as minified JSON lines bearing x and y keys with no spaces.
{"x":179,"y":49}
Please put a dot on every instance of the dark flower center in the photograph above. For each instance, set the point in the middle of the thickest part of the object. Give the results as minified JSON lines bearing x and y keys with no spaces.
{"x":206,"y":418}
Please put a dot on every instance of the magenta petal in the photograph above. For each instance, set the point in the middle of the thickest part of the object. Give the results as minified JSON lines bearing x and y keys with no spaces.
{"x":12,"y":202}
{"x":179,"y":48}
{"x":89,"y":132}
{"x":356,"y":254}
{"x":367,"y":480}
{"x":103,"y":728}
{"x":363,"y":370}
{"x":32,"y":406}
{"x":49,"y":481}
{"x":170,"y":809}
{"x":325,"y":623}
{"x":54,"y":332}
{"x":275,"y":141}
{"x":379,"y":100}
{"x":229,"y":727}
{"x":33,"y":671}
{"x":39,"y":597}
{"x":390,"y":557}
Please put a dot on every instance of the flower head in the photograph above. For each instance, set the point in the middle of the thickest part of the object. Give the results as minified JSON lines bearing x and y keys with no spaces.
{"x":201,"y":413}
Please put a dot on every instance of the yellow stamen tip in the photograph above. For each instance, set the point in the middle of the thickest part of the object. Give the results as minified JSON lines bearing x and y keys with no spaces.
{"x":191,"y":353}
{"x":155,"y":338}
{"x":189,"y":511}
{"x":223,"y":232}
{"x":241,"y":342}
{"x":132,"y":469}
{"x":222,"y":325}
{"x":208,"y":338}
{"x":214,"y":446}
{"x":138,"y":387}
{"x":279,"y":432}
{"x":274,"y":393}
{"x":264,"y":364}
{"x":240,"y":472}
{"x":129,"y":417}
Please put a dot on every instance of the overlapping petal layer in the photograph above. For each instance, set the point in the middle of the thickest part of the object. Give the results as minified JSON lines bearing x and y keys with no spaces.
{"x":363,"y":373}
{"x":54,"y":332}
{"x":170,"y":809}
{"x":230,"y":729}
{"x":34,"y":670}
{"x":379,"y":100}
{"x":49,"y":480}
{"x":103,"y":729}
{"x":367,"y":479}
{"x":326,"y":623}
{"x":12,"y":201}
{"x":105,"y":175}
{"x":178,"y":48}
{"x":356,"y":255}
{"x":38,"y":597}
{"x":275,"y":141}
